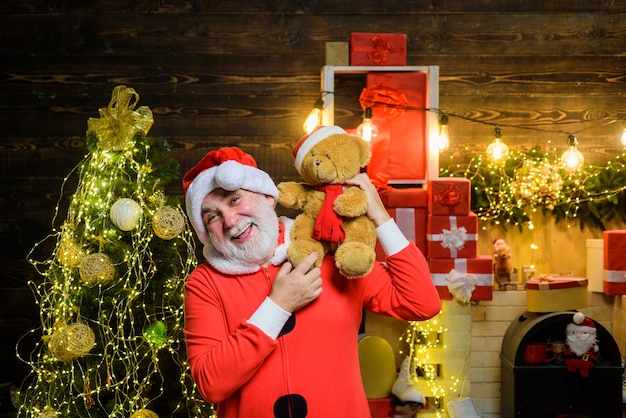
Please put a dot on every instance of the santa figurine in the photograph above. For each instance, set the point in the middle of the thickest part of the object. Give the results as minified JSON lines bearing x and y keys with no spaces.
{"x":582,"y":352}
{"x":502,"y":267}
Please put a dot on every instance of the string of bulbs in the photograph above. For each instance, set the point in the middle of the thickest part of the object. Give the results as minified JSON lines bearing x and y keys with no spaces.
{"x":571,"y":159}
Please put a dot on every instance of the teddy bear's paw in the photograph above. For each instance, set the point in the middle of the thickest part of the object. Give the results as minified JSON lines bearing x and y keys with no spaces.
{"x":291,"y":195}
{"x":300,"y":250}
{"x":351,"y":204}
{"x":354,"y":259}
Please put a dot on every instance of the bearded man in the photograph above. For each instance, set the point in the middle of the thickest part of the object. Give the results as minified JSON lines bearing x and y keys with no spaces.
{"x":267,"y":340}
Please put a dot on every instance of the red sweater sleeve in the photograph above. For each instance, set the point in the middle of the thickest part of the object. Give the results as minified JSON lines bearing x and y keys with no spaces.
{"x":403,"y":288}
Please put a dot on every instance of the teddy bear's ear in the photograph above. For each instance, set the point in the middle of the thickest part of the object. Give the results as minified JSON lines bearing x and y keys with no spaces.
{"x":364,"y":150}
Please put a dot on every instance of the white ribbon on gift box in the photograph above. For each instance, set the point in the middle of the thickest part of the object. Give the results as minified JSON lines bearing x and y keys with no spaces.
{"x":460,"y":264}
{"x":454,"y":238}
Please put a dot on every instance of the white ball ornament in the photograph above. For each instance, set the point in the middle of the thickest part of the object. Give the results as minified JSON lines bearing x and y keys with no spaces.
{"x":125,"y":214}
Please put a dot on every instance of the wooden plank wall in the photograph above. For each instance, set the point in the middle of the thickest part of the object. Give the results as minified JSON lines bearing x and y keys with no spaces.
{"x":246,"y":73}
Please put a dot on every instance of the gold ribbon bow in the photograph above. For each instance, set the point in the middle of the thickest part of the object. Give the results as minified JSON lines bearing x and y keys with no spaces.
{"x":119,"y":123}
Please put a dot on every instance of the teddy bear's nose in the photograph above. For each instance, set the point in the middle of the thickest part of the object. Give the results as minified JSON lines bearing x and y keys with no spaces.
{"x":318,"y":162}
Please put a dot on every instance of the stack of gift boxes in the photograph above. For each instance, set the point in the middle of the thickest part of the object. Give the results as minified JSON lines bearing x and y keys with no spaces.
{"x":437,"y":218}
{"x":452,"y":240}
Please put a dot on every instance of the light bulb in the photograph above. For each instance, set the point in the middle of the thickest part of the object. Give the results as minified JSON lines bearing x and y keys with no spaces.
{"x":572,"y":159}
{"x":624,"y":137}
{"x":367,"y":130}
{"x":498,"y":150}
{"x":443,"y":140}
{"x":313,"y":120}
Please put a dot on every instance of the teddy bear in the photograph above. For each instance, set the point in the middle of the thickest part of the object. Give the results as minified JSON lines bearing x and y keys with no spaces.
{"x":333,"y":215}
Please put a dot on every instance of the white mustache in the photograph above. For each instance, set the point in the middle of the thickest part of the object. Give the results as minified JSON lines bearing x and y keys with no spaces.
{"x":237,"y":230}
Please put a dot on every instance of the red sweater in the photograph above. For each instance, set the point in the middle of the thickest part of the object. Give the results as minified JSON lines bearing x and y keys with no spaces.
{"x":314,"y":362}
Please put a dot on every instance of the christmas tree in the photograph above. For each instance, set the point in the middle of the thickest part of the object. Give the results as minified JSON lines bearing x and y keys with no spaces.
{"x":111,"y":298}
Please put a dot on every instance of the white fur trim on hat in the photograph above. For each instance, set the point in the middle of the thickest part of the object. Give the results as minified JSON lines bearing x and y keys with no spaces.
{"x":230,"y":175}
{"x":307,"y":142}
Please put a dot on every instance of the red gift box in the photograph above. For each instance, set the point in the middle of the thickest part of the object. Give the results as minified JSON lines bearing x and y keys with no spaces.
{"x":399,"y":152}
{"x":613,"y":274}
{"x":408,"y":208}
{"x":449,"y":196}
{"x":377,"y":49}
{"x":452,"y":236}
{"x":480,"y":267}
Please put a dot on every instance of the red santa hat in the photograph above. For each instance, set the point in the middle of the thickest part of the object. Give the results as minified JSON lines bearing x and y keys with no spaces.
{"x":581,"y":323}
{"x":308,"y":141}
{"x":228,"y":168}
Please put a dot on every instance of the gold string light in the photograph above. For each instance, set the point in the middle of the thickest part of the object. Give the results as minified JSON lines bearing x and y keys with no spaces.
{"x":422,"y":339}
{"x":589,"y":194}
{"x":499,"y":149}
{"x":509,"y":194}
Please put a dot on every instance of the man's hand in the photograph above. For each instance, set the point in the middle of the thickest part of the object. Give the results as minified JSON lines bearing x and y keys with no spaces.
{"x":294,"y":288}
{"x":376,"y":211}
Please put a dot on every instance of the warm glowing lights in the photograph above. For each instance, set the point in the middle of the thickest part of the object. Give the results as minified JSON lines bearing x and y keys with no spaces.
{"x":424,"y":338}
{"x":124,"y":286}
{"x":443,"y":139}
{"x":498,"y":151}
{"x":572,"y":159}
{"x":537,"y":182}
{"x":314,"y":118}
{"x":509,"y":194}
{"x":533,"y":250}
{"x":367,"y":129}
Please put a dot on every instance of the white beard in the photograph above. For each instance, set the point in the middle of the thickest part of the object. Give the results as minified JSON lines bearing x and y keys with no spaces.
{"x":581,"y":344}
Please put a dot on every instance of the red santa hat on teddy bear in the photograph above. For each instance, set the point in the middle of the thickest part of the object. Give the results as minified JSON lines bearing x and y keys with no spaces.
{"x":228,"y":168}
{"x":581,"y":334}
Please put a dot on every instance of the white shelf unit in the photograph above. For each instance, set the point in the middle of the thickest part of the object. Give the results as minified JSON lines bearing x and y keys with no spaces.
{"x":330,"y":72}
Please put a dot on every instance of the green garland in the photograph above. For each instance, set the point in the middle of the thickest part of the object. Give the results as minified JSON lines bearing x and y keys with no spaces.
{"x":509,"y":193}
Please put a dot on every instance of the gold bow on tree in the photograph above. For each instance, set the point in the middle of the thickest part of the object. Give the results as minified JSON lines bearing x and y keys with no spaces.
{"x":119,"y":123}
